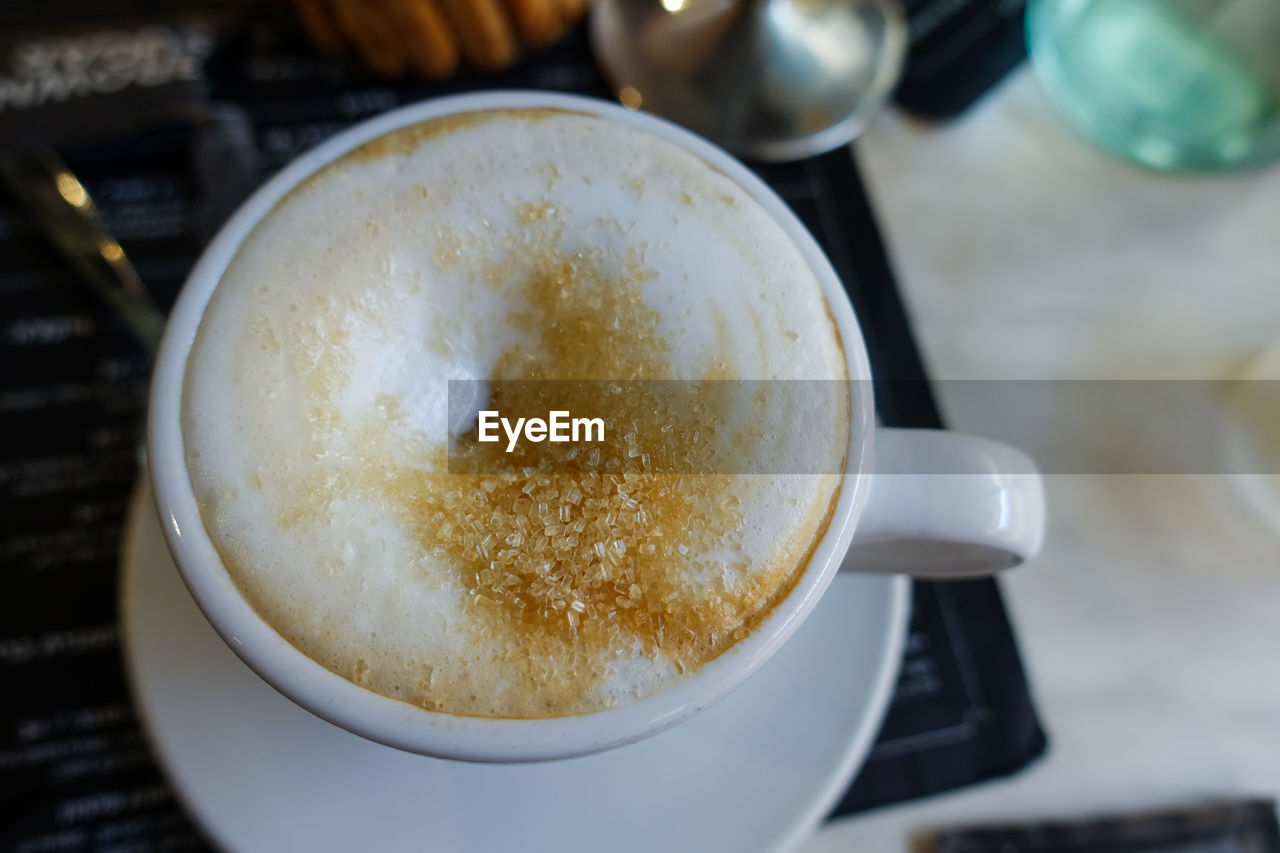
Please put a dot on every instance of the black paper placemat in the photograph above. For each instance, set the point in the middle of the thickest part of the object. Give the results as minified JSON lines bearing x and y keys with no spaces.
{"x":75,"y":773}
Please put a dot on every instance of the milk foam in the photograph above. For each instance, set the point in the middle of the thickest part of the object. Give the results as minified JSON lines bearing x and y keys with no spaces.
{"x":319,"y":372}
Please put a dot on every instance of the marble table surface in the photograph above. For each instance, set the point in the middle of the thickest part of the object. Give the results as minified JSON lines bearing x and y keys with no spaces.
{"x":1150,"y":624}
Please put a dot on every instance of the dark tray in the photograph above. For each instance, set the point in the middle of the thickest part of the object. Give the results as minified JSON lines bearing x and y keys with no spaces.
{"x":73,"y":762}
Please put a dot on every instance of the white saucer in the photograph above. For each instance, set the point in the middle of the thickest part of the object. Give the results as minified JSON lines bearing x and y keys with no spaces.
{"x":755,"y":772}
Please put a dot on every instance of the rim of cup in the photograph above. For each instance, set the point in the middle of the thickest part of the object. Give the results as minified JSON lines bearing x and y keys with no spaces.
{"x":398,"y":723}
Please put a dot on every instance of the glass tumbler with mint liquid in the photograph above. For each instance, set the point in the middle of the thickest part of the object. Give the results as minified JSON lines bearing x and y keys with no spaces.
{"x":1172,"y":84}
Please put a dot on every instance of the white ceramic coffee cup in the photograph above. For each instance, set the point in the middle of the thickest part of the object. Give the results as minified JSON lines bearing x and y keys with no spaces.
{"x":968,"y":523}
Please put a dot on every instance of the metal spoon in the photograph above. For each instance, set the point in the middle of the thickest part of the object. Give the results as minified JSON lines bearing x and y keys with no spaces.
{"x":61,"y":208}
{"x":768,"y":79}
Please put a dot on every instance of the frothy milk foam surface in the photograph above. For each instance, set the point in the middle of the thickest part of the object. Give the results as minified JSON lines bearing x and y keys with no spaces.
{"x":503,"y":245}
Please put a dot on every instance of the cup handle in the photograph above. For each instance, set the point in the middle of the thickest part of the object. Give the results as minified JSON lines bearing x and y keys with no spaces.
{"x":944,"y":505}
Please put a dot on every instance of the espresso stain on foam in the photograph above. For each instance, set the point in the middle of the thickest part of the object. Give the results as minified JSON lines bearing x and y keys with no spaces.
{"x":406,"y":140}
{"x":573,"y":558}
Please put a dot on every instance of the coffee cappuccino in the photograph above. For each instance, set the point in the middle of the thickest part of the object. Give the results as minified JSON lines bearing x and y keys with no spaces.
{"x":507,"y":245}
